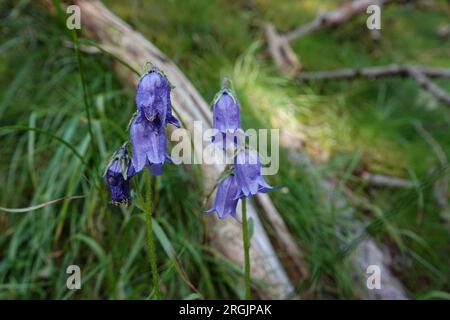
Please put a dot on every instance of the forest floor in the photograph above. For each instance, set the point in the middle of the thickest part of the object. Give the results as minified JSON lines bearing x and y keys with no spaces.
{"x":346,"y":127}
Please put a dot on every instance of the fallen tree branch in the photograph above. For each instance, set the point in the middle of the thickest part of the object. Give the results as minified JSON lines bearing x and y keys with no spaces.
{"x":380,"y":180}
{"x":421,"y":75}
{"x":392,"y":70}
{"x":284,"y":57}
{"x":117,"y":37}
{"x":292,"y":259}
{"x":429,"y":86}
{"x":334,"y":18}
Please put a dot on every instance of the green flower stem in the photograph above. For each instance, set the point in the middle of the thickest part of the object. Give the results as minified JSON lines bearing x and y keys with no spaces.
{"x":150,"y":240}
{"x":246,"y":250}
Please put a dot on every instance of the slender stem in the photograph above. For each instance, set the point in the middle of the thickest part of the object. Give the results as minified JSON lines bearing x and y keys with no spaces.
{"x":246,"y":250}
{"x":87,"y":106}
{"x":150,"y":241}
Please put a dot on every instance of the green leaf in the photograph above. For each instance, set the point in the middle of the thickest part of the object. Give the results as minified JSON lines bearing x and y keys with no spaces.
{"x":193,"y":296}
{"x":163,"y":239}
{"x":90,"y":242}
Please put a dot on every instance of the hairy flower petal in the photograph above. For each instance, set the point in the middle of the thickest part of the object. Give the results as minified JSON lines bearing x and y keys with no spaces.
{"x":225,"y":202}
{"x":226,"y":113}
{"x":248,"y":174}
{"x":153,"y":98}
{"x":149,"y":143}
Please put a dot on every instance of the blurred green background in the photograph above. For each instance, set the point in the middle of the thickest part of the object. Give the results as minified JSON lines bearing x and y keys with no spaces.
{"x":346,"y":127}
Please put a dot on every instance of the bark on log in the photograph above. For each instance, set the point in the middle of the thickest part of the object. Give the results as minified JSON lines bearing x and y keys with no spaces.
{"x":119,"y":38}
{"x":292,"y":257}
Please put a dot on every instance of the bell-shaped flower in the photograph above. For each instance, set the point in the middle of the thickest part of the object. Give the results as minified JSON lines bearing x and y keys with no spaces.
{"x":226,"y":199}
{"x":226,"y":112}
{"x":247,"y":167}
{"x":149,"y":144}
{"x":153,"y":98}
{"x":118,"y":175}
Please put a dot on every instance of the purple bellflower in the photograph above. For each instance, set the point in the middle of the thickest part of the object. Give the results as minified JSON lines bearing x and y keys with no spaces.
{"x":153,"y":98}
{"x":118,"y":175}
{"x":246,"y":179}
{"x":226,"y":198}
{"x":147,"y":130}
{"x":149,"y":145}
{"x":226,"y":112}
{"x":227,"y":119}
{"x":247,"y":167}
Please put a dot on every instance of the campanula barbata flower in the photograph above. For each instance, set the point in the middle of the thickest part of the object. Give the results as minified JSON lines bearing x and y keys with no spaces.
{"x":226,"y":119}
{"x":226,"y":198}
{"x":147,"y":130}
{"x":247,"y":167}
{"x":246,"y":178}
{"x":226,"y":112}
{"x":153,"y":98}
{"x":118,"y":175}
{"x":149,"y":145}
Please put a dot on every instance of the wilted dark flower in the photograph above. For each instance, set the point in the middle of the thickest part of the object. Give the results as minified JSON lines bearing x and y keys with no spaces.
{"x":247,"y":167}
{"x":226,"y":198}
{"x":153,"y":98}
{"x":118,"y":174}
{"x":149,"y":145}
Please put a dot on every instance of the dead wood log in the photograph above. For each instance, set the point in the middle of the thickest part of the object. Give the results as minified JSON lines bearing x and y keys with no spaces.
{"x":369,"y":254}
{"x":429,"y":86}
{"x":117,"y":37}
{"x":292,"y":257}
{"x":367,"y":251}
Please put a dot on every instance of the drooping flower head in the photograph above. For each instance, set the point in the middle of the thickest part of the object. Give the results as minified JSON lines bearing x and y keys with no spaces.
{"x":247,"y":179}
{"x":147,"y":130}
{"x":149,"y":145}
{"x":226,"y":118}
{"x":153,"y":98}
{"x":226,"y":112}
{"x":226,"y":198}
{"x":118,"y":174}
{"x":247,"y":167}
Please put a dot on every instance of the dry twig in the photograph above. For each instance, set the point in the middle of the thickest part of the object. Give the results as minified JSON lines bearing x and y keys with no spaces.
{"x":334,"y":18}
